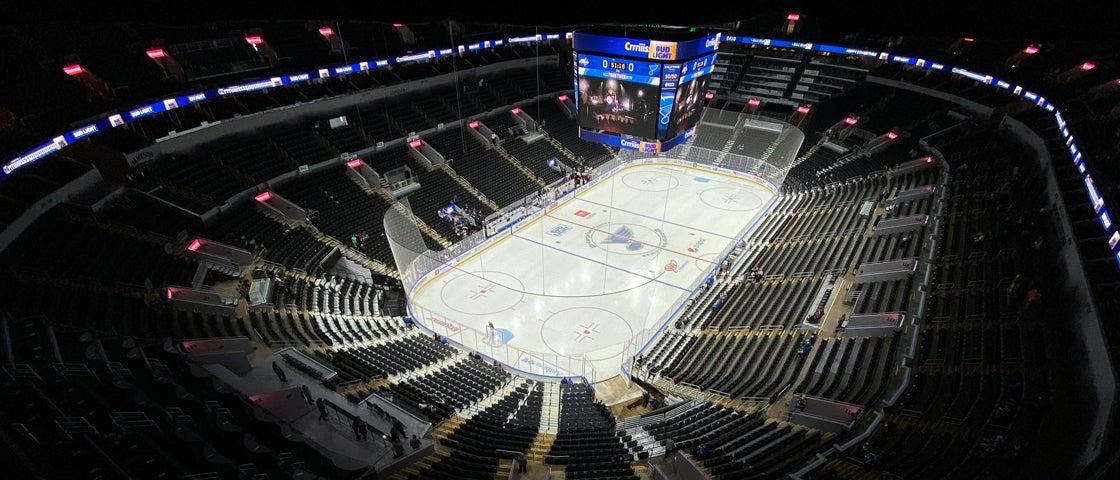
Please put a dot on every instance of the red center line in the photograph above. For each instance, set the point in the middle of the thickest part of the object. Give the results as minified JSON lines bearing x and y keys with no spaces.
{"x":698,"y":259}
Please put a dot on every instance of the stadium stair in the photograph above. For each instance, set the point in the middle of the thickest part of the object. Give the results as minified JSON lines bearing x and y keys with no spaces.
{"x":468,"y":187}
{"x":449,"y":361}
{"x":567,"y":153}
{"x":774,"y":145}
{"x":540,"y":447}
{"x":550,"y":408}
{"x":423,"y":226}
{"x":490,"y":400}
{"x":422,"y":464}
{"x":446,"y":428}
{"x":351,"y":253}
{"x":504,"y":468}
{"x":519,"y":166}
{"x":808,"y":154}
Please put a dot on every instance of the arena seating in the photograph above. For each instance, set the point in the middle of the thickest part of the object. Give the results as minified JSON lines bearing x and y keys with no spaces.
{"x":333,"y":199}
{"x":84,"y":298}
{"x":508,"y":425}
{"x":483,"y":167}
{"x":586,"y":442}
{"x":393,"y":358}
{"x":291,"y":247}
{"x":452,"y":388}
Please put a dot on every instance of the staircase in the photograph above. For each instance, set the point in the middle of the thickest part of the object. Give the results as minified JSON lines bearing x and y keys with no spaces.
{"x":774,"y":145}
{"x":808,"y":153}
{"x":426,"y":369}
{"x":550,"y":408}
{"x":420,"y":224}
{"x":354,"y":255}
{"x":326,"y":144}
{"x":540,"y":447}
{"x":468,"y":187}
{"x":490,"y":400}
{"x":567,"y":153}
{"x":642,"y":471}
{"x":519,"y":166}
{"x":422,"y":465}
{"x":447,"y":428}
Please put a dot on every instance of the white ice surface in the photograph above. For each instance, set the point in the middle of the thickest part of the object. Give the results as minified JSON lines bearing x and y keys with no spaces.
{"x":575,"y":286}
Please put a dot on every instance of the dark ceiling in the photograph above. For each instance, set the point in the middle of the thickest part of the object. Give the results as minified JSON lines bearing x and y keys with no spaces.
{"x":1052,"y":20}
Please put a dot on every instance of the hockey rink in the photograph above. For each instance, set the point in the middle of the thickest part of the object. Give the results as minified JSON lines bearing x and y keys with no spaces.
{"x":597,"y":274}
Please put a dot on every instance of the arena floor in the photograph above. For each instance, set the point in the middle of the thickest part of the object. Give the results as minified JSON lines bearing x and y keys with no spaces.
{"x":601,"y":268}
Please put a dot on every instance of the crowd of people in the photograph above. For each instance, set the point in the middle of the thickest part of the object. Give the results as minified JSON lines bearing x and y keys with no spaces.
{"x":581,"y":175}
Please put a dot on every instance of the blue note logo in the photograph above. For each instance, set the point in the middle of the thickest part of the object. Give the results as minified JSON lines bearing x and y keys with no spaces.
{"x":623,"y":235}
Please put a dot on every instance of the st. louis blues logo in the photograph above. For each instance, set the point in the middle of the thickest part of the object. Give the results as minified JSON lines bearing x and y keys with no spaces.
{"x":623,"y":235}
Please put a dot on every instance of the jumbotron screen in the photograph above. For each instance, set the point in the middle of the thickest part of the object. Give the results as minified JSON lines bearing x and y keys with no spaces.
{"x":689,"y":96}
{"x":641,"y":93}
{"x":618,"y":96}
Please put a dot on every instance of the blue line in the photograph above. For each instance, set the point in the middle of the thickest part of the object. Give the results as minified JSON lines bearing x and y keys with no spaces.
{"x":600,"y":263}
{"x":676,"y":312}
{"x":653,"y":218}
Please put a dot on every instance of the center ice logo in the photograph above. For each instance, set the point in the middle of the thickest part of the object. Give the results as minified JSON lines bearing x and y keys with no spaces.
{"x":623,"y":235}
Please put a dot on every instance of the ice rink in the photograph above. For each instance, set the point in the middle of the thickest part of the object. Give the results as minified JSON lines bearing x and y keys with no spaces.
{"x":601,"y":268}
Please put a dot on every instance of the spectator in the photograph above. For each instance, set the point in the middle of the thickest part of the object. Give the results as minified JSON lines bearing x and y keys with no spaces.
{"x":307,"y":395}
{"x":414,"y":443}
{"x":322,"y":406}
{"x":355,"y":425}
{"x":279,"y":372}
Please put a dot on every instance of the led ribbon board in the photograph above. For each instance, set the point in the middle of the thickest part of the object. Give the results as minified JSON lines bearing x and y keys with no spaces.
{"x":608,"y":45}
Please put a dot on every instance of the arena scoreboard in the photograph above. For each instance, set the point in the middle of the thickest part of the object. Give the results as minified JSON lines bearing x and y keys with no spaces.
{"x":641,"y":89}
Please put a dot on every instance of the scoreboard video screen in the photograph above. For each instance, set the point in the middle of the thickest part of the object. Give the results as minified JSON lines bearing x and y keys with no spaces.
{"x":618,"y":95}
{"x":640,"y":93}
{"x":689,"y":96}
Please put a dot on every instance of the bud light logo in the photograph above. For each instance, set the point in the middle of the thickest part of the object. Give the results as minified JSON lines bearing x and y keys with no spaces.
{"x":662,"y":50}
